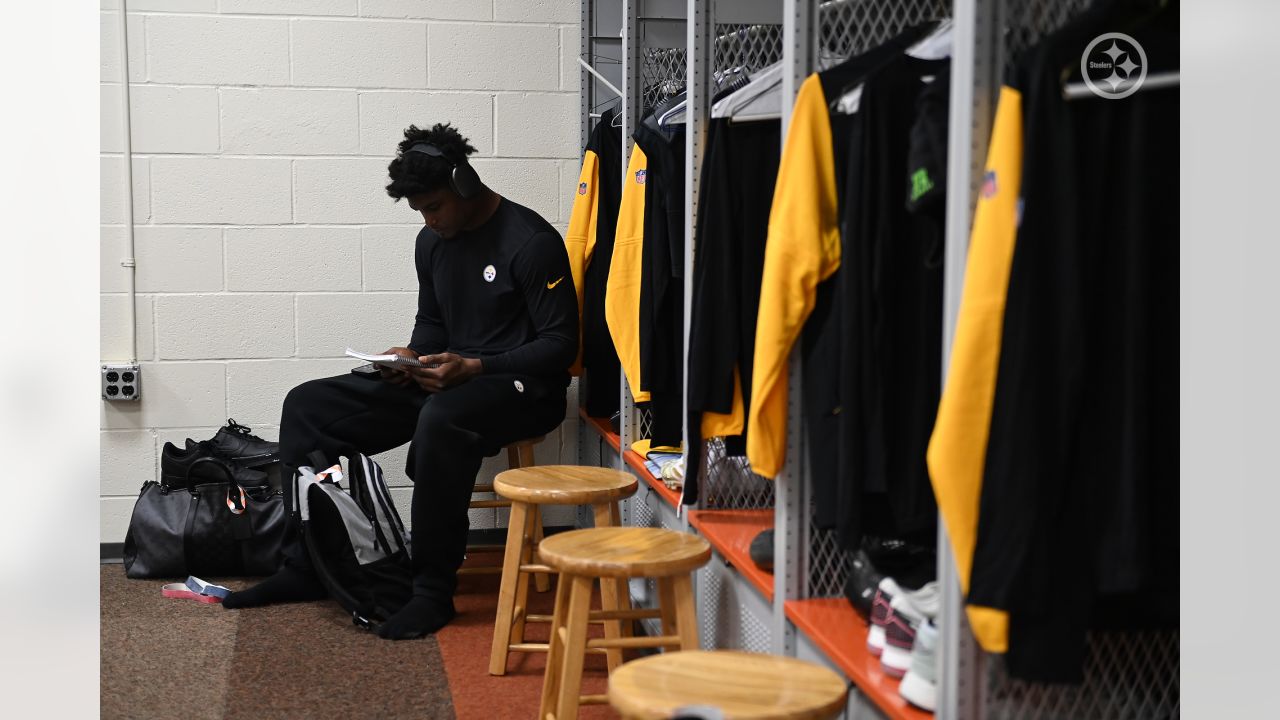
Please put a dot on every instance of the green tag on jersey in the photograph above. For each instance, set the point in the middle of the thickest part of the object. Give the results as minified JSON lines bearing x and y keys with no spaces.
{"x":920,"y":184}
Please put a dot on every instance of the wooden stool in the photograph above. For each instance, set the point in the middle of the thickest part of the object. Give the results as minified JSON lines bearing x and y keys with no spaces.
{"x":525,"y":490}
{"x":519,"y":455}
{"x":614,"y":554}
{"x":740,"y":684}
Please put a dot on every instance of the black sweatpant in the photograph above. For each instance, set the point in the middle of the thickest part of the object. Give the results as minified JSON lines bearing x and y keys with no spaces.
{"x":451,"y":433}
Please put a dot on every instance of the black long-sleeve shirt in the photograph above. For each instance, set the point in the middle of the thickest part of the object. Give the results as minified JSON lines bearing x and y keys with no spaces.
{"x":502,"y":293}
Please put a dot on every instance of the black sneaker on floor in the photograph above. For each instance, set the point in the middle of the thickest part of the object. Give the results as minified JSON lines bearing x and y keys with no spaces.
{"x":860,"y":586}
{"x":178,"y":468}
{"x":235,"y":443}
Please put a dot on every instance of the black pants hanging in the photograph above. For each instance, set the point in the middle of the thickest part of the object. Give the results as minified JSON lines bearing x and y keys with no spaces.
{"x":451,"y":433}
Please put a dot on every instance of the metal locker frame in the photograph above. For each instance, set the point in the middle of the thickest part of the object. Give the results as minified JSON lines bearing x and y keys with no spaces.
{"x":980,"y":31}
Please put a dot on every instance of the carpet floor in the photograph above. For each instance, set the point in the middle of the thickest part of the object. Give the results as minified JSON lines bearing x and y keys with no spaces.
{"x":163,"y":658}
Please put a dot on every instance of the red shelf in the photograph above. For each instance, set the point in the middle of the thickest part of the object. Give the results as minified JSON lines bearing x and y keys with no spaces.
{"x":601,"y":426}
{"x":730,"y":532}
{"x":632,"y":458}
{"x":841,"y":634}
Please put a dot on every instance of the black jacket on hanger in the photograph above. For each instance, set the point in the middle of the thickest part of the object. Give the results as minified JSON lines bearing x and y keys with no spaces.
{"x":1078,"y":524}
{"x":662,"y":274}
{"x":821,"y":341}
{"x":889,"y":291}
{"x":739,"y":170}
{"x":602,"y":371}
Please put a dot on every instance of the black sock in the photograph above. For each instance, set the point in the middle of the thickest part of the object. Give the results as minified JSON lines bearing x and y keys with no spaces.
{"x":287,"y":585}
{"x":421,"y":616}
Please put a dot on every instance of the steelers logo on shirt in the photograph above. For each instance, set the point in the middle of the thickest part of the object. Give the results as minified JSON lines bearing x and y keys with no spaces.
{"x":490,"y":273}
{"x":519,"y":386}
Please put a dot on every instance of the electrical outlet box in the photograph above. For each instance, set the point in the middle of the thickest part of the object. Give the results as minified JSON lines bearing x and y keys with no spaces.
{"x":121,"y":382}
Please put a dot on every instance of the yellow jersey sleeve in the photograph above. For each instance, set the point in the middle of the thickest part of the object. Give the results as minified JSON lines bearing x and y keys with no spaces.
{"x":802,"y":249}
{"x":622,"y":295}
{"x":958,"y":446}
{"x":580,"y":238}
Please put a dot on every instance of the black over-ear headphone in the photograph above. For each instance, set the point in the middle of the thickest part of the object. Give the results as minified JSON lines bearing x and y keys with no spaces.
{"x":463,"y":179}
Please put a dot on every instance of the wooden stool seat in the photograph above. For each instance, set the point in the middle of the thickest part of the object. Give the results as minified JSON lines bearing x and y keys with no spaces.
{"x":526,"y":490}
{"x":613,"y":554}
{"x":625,"y":552}
{"x":742,"y":685}
{"x":565,"y":485}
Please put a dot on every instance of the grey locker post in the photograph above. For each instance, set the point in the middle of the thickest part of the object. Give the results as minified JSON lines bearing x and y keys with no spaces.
{"x":631,"y":100}
{"x":975,"y":79}
{"x":791,"y":513}
{"x":697,"y":112}
{"x":599,"y":44}
{"x":586,"y":98}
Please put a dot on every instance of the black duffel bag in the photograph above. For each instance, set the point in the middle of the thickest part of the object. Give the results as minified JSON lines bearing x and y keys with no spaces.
{"x":211,"y":529}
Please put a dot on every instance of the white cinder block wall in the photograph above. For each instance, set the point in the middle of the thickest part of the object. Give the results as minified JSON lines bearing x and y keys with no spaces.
{"x":265,"y":242}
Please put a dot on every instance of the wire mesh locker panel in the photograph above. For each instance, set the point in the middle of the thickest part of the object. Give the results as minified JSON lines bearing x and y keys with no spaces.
{"x":731,"y":614}
{"x":1126,"y":675}
{"x":662,"y":74}
{"x":644,"y":421}
{"x":828,"y":562}
{"x":750,"y":47}
{"x":729,"y":484}
{"x":850,"y":27}
{"x":1027,"y":21}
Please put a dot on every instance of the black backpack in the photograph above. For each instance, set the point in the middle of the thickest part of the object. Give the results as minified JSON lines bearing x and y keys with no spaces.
{"x":357,"y":543}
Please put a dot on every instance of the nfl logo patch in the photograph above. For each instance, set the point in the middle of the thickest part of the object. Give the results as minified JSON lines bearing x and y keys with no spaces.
{"x":989,"y":187}
{"x":582,"y":188}
{"x":640,"y":175}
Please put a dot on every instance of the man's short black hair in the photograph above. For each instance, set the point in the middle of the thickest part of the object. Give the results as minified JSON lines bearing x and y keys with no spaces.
{"x":413,"y":173}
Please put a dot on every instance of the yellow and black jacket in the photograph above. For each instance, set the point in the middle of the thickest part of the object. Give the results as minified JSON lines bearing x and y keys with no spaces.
{"x":662,"y":284}
{"x":959,"y":443}
{"x":1055,"y":452}
{"x":801,"y":253}
{"x":644,"y":304}
{"x":589,"y":240}
{"x":802,"y":250}
{"x":622,"y":296}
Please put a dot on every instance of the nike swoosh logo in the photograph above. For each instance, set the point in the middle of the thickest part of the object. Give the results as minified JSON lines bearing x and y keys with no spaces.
{"x":552,"y":285}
